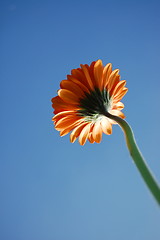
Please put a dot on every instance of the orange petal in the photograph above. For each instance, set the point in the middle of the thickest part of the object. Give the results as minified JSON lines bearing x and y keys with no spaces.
{"x":98,"y":71}
{"x":97,"y":132}
{"x":118,"y":106}
{"x":65,"y":131}
{"x":60,"y":105}
{"x":91,"y":72}
{"x":106,"y":126}
{"x":120,"y":96}
{"x":84,"y":134}
{"x":73,"y":87}
{"x":88,"y":78}
{"x":116,"y":81}
{"x":57,"y":102}
{"x":112,"y":79}
{"x":66,"y":122}
{"x":54,"y":99}
{"x":78,"y":74}
{"x":63,"y":114}
{"x":106,"y":73}
{"x":76,"y":131}
{"x":81,"y":85}
{"x":119,"y":87}
{"x":68,"y":96}
{"x":90,"y":138}
{"x":117,"y":113}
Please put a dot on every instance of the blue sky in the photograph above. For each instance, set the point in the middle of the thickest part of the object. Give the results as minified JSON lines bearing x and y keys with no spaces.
{"x":52,"y":189}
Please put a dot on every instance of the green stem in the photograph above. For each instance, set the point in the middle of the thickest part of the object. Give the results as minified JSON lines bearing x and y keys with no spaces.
{"x":137,"y":156}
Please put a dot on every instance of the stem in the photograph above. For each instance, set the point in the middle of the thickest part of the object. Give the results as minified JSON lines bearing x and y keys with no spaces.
{"x":137,"y":156}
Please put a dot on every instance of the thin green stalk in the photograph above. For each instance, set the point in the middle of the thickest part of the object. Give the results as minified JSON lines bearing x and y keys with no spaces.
{"x":137,"y":156}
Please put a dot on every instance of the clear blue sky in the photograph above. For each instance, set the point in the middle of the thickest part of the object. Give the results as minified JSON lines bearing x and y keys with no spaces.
{"x":54,"y":190}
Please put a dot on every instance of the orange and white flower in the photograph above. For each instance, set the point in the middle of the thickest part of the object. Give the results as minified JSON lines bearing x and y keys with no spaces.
{"x":84,"y":98}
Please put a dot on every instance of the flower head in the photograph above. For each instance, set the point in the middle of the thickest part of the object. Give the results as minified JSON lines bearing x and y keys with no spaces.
{"x":84,"y":98}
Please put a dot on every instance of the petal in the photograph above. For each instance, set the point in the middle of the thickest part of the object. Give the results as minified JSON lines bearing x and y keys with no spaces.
{"x":118,"y":106}
{"x":90,"y":138}
{"x":97,"y":132}
{"x":117,"y":113}
{"x":84,"y":134}
{"x":88,"y":78}
{"x":116,"y":81}
{"x":98,"y":71}
{"x":91,"y":72}
{"x":106,"y":73}
{"x":78,"y":74}
{"x":81,"y":85}
{"x":112,"y":79}
{"x":119,"y":87}
{"x":66,"y":130}
{"x":120,"y":96}
{"x":106,"y":126}
{"x":112,"y":121}
{"x":62,"y":114}
{"x":54,"y":99}
{"x":73,"y":87}
{"x":68,"y":96}
{"x":76,"y":131}
{"x":60,"y":105}
{"x":66,"y":122}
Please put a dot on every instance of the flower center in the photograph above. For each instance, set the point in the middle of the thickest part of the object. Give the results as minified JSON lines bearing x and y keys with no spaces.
{"x":95,"y":103}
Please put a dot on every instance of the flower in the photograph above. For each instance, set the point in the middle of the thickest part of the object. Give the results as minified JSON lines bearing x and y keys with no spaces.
{"x":84,"y":98}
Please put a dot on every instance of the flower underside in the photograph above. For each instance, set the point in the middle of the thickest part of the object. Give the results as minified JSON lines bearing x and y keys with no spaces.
{"x":83,"y":100}
{"x":95,"y":103}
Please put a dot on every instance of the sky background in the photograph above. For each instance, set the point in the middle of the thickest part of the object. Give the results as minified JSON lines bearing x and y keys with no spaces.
{"x":54,"y":190}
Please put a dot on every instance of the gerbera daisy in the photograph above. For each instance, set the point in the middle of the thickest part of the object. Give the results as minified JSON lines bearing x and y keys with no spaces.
{"x":83,"y":100}
{"x":88,"y":103}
